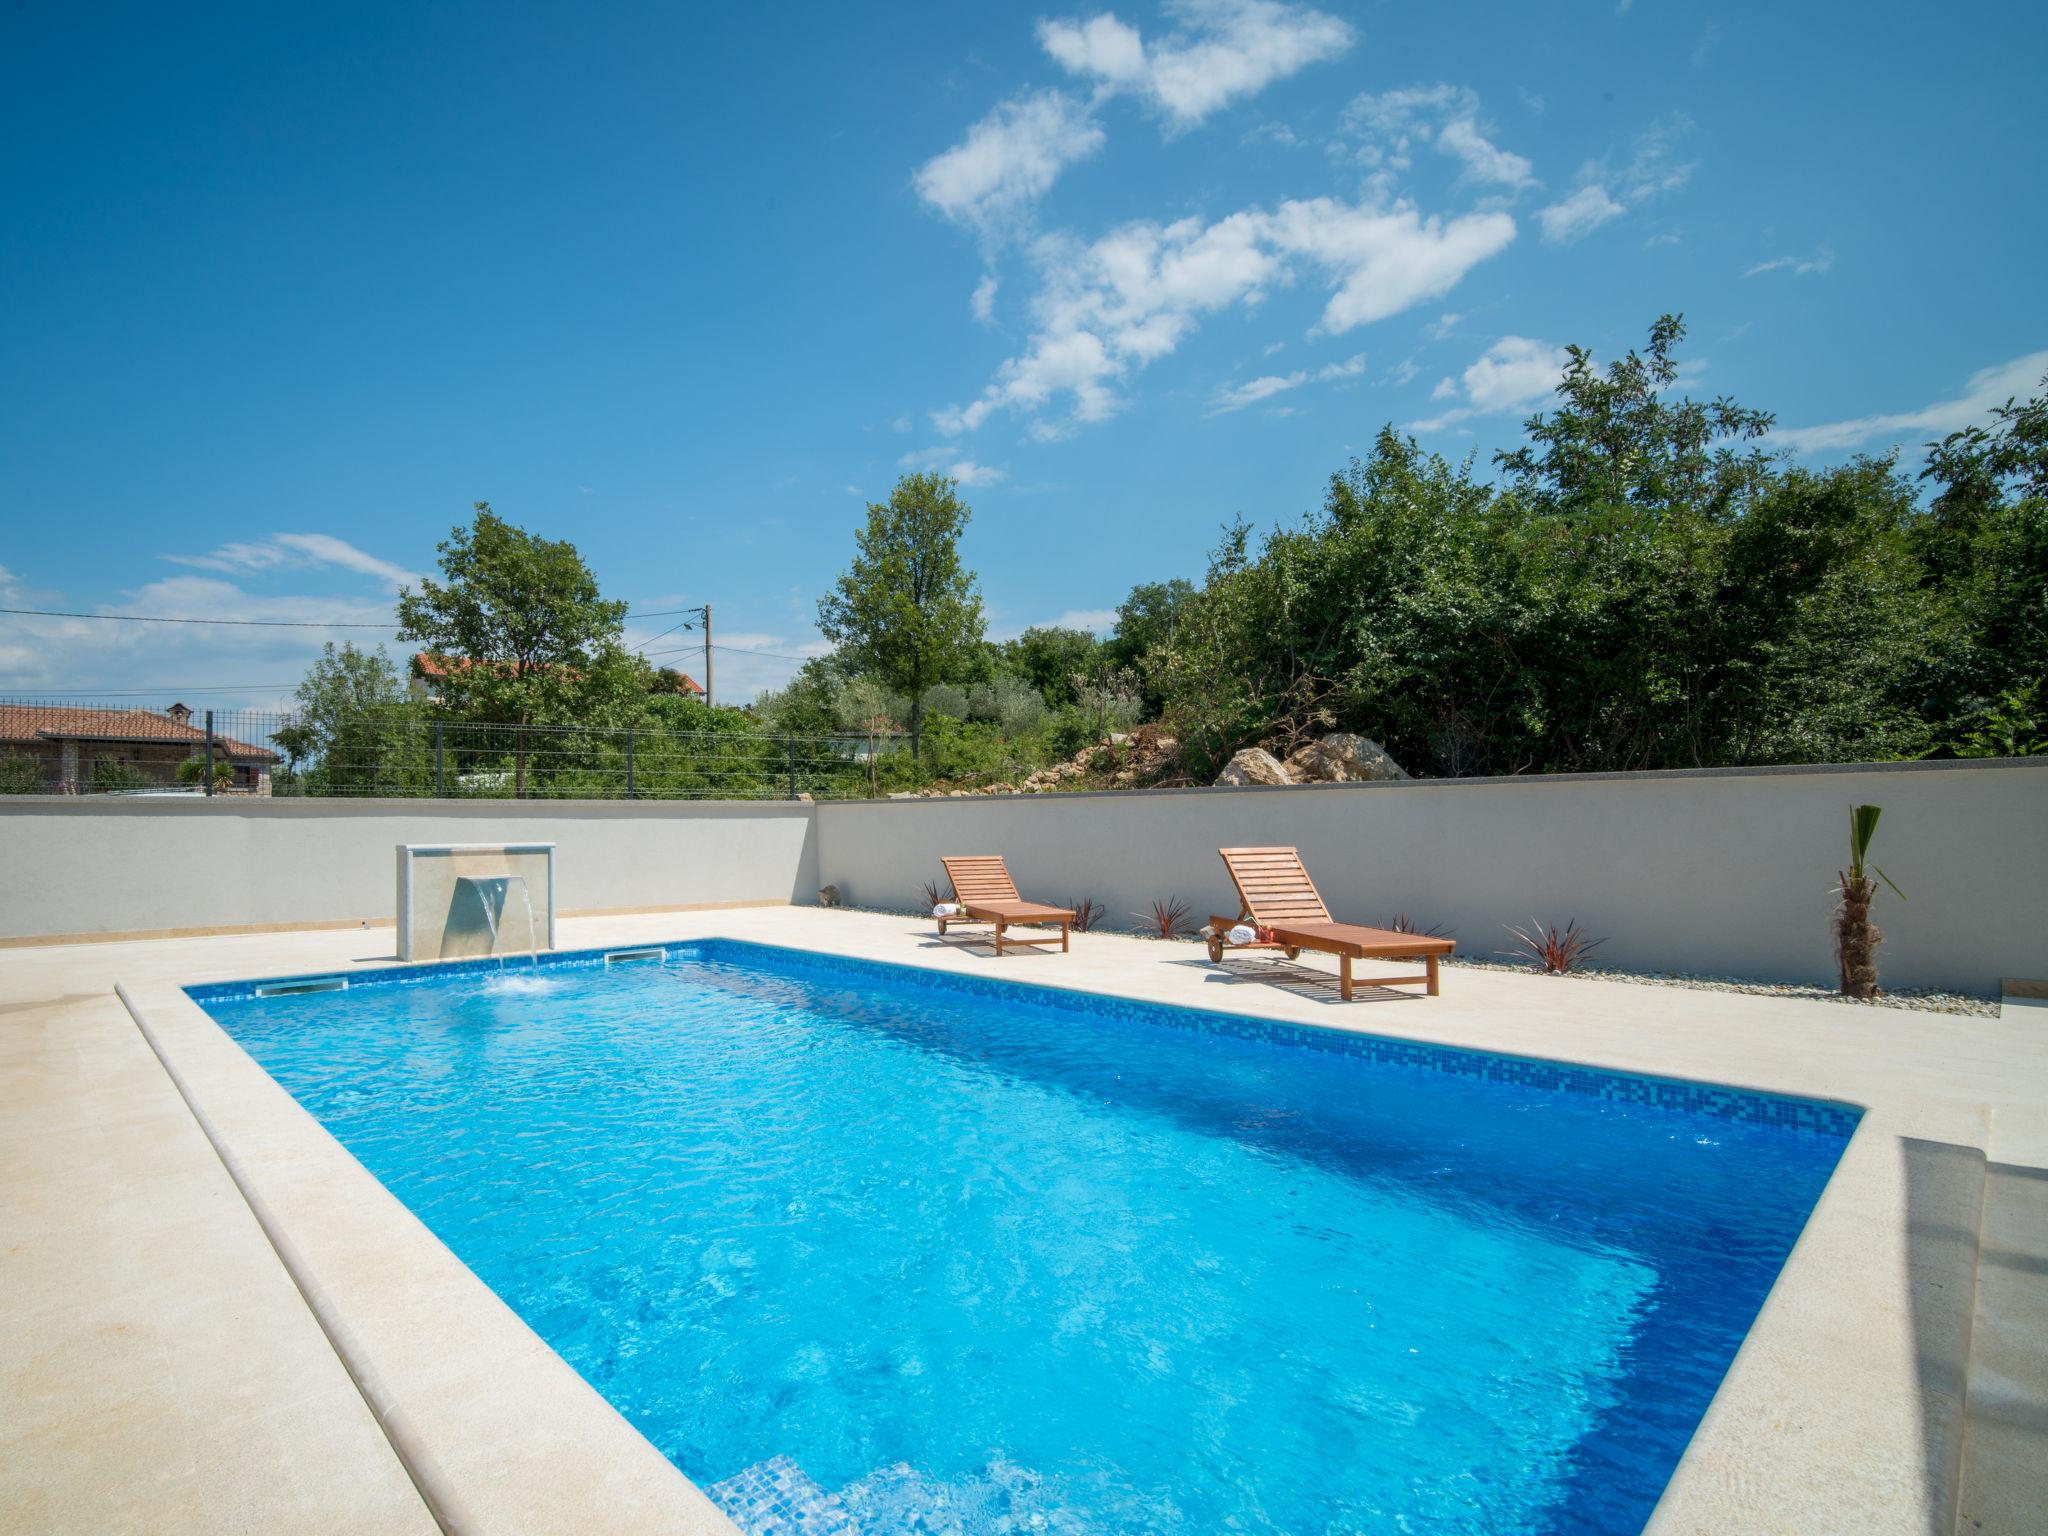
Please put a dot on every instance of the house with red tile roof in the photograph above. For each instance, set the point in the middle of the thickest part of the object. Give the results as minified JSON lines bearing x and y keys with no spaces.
{"x":426,"y":671}
{"x":80,"y":749}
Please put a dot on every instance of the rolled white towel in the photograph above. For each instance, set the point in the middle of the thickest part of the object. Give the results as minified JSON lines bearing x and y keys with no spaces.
{"x":1243,"y":933}
{"x":946,"y":909}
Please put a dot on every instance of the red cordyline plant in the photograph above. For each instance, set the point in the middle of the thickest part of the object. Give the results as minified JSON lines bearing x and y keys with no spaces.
{"x":1166,"y":918}
{"x":934,"y":893}
{"x":1087,"y":913}
{"x":1552,"y":950}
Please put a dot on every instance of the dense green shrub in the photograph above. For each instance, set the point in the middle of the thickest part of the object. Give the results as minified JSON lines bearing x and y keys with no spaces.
{"x":110,"y":777}
{"x":193,"y":770}
{"x":1645,"y":588}
{"x":21,"y":774}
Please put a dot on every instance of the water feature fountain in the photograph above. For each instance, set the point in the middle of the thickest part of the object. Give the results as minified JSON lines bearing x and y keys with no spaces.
{"x":453,"y":898}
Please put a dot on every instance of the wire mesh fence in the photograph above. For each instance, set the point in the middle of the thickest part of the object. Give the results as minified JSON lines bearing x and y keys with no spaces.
{"x":398,"y":751}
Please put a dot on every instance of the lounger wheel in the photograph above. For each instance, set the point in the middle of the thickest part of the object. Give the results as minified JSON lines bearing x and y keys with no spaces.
{"x":1293,"y":953}
{"x":1215,"y":951}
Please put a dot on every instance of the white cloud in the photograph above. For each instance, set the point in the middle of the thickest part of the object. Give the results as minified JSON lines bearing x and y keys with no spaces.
{"x":297,"y":551}
{"x":1275,"y":133}
{"x":1009,"y":159}
{"x":1237,"y":397}
{"x":245,"y":666}
{"x":1106,"y":309}
{"x":1512,"y":374}
{"x":1094,"y":619}
{"x":1578,"y":215}
{"x":1223,"y":51}
{"x":1988,"y":387}
{"x":1444,"y":116}
{"x":1798,"y":266}
{"x":1514,"y":371}
{"x":1386,"y":259}
{"x":984,"y":301}
{"x":946,"y":461}
{"x":1102,"y":46}
{"x":1484,"y":161}
{"x":1653,"y":169}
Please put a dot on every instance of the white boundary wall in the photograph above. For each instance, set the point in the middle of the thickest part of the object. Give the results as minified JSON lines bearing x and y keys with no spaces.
{"x":97,"y":865}
{"x":1726,"y":872}
{"x":1719,"y":871}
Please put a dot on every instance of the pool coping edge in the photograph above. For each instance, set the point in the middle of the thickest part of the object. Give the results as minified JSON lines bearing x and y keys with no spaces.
{"x":499,"y":1434}
{"x":1772,"y":1433}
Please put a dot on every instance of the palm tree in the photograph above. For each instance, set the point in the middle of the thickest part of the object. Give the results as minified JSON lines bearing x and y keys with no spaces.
{"x":1856,"y":936}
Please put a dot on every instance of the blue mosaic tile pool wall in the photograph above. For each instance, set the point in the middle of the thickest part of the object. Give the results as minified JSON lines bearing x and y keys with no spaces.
{"x":1821,"y":1116}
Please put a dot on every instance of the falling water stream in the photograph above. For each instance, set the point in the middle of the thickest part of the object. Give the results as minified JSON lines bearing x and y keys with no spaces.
{"x":494,"y":912}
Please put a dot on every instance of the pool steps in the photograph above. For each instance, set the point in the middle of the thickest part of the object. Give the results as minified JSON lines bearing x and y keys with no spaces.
{"x":777,"y":1497}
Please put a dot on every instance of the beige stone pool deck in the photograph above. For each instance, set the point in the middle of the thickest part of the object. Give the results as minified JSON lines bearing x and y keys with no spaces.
{"x":211,"y":1319}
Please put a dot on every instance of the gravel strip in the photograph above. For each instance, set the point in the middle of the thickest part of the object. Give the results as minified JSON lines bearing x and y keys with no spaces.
{"x":1921,"y":999}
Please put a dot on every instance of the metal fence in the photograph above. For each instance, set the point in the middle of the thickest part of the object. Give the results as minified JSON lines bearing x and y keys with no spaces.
{"x":399,"y":751}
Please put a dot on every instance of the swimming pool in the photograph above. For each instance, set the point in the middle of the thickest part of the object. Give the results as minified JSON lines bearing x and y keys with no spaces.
{"x":928,"y":1252}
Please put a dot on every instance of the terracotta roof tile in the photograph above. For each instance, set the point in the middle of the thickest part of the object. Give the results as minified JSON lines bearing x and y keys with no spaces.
{"x":24,"y":724}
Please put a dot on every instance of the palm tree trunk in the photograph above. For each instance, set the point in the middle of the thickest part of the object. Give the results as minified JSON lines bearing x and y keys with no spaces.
{"x":1857,"y":937}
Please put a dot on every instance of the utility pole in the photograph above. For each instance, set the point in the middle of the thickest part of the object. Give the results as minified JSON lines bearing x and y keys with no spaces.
{"x":707,"y":656}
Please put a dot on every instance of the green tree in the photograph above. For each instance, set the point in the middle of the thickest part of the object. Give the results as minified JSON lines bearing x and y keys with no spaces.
{"x":1055,"y":660}
{"x":1147,"y":623}
{"x":525,"y":635}
{"x":354,"y":726}
{"x":907,"y":610}
{"x":1985,"y":546}
{"x":1615,"y":441}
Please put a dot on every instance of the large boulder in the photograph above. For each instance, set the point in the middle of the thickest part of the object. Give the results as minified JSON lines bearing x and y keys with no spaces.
{"x":1254,"y":765}
{"x":1342,"y":758}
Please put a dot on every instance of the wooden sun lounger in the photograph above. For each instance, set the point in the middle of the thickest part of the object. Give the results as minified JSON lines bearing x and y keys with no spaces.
{"x":986,"y":894}
{"x":1276,"y":894}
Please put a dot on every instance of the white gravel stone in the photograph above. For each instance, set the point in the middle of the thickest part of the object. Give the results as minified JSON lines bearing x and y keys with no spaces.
{"x":1921,"y":999}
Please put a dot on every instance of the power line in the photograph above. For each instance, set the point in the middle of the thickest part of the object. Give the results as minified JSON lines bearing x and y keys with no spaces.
{"x":145,"y":618}
{"x":194,"y":689}
{"x":741,"y":649}
{"x":777,"y":655}
{"x":642,"y":646}
{"x":150,"y":618}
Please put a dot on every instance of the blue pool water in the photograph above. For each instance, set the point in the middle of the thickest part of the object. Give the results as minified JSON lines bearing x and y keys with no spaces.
{"x":978,"y":1258}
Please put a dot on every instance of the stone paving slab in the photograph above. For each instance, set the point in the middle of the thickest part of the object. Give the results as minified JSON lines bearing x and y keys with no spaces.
{"x":196,"y":1385}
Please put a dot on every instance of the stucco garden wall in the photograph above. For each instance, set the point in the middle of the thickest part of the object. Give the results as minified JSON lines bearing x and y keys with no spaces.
{"x":89,"y":865}
{"x":1727,"y":872}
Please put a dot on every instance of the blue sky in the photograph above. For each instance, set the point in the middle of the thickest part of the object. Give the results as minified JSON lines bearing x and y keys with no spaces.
{"x":284,"y":290}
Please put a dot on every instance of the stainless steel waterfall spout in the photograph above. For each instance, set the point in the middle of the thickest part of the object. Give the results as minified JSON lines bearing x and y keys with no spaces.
{"x":478,"y":911}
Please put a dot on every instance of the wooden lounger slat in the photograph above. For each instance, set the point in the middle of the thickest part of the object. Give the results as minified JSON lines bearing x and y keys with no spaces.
{"x":986,"y":894}
{"x":1276,"y":893}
